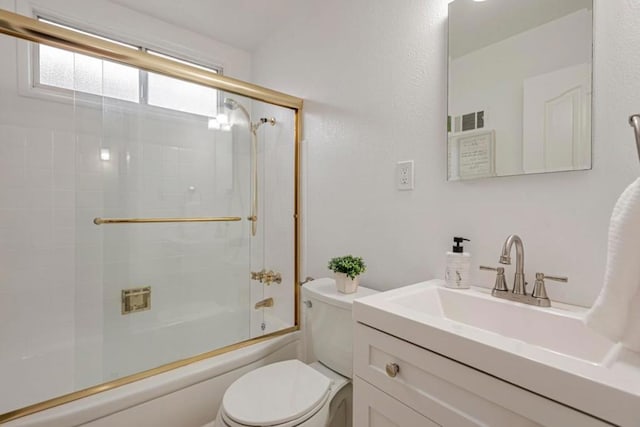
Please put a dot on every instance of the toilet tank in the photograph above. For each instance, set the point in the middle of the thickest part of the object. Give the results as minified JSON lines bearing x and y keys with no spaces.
{"x":329,"y":324}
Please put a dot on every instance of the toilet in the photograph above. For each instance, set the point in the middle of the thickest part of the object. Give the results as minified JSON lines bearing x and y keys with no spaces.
{"x":292,"y":393}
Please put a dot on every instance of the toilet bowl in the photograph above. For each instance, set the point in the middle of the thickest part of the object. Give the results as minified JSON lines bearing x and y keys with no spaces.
{"x":292,"y":393}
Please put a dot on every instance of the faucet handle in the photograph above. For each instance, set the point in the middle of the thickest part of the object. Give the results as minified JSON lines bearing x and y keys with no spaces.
{"x":501,"y":283}
{"x":539,"y":290}
{"x":542,"y":276}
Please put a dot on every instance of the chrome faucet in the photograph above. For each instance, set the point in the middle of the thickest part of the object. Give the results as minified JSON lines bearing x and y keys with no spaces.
{"x":519,"y":291}
{"x":519,"y":284}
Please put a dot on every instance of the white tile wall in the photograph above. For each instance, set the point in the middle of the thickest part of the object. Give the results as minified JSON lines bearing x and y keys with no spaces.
{"x":38,"y":261}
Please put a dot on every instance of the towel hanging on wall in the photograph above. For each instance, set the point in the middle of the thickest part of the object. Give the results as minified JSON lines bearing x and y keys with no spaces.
{"x":611,"y":313}
{"x":616,"y":312}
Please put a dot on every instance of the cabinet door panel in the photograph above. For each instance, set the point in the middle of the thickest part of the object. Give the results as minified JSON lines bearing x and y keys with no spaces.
{"x":373,"y":408}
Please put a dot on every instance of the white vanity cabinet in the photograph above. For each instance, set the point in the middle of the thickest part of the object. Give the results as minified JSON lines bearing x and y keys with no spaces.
{"x":432,"y":390}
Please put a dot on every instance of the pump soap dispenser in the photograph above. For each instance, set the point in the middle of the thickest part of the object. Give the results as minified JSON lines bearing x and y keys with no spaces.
{"x":458,"y":266}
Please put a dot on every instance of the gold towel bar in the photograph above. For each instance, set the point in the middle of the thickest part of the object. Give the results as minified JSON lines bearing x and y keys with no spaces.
{"x":99,"y":221}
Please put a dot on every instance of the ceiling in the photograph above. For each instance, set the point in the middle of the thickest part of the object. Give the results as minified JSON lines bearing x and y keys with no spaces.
{"x":240,"y":23}
{"x":245,"y":24}
{"x":474,"y":25}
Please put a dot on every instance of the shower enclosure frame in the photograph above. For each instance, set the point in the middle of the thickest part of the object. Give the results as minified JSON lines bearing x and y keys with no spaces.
{"x":32,"y":30}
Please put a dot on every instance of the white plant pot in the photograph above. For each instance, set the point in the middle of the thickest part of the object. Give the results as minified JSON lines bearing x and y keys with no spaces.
{"x":346,"y":284}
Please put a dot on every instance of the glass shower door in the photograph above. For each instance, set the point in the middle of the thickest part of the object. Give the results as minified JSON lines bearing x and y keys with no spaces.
{"x":129,"y":203}
{"x":263,"y":135}
{"x":172,"y":270}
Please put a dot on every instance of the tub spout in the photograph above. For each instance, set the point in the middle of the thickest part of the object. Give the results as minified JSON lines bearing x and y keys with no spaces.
{"x":264,"y":303}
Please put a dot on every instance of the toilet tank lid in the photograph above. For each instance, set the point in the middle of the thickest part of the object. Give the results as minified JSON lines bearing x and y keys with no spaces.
{"x":325,"y":290}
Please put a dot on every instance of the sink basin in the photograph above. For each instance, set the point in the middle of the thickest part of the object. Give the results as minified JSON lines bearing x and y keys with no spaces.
{"x":548,"y":351}
{"x":558,"y":329}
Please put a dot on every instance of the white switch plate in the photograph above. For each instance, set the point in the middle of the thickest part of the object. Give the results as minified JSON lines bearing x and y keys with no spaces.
{"x":404,"y":175}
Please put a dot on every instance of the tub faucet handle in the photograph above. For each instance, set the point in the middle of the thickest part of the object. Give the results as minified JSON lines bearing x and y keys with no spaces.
{"x":272,"y":277}
{"x":258,"y":275}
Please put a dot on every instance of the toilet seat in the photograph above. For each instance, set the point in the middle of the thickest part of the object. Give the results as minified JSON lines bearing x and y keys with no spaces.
{"x":280,"y":394}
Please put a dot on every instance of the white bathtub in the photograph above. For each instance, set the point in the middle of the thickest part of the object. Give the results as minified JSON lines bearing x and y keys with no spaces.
{"x":185,"y":397}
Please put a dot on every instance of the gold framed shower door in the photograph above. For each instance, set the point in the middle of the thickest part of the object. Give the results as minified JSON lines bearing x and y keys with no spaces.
{"x":30,"y":29}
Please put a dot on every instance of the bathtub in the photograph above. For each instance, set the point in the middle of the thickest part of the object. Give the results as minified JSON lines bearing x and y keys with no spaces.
{"x":184,"y":397}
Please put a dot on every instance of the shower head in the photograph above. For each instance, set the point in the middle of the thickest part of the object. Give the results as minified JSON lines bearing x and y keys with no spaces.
{"x":233,"y":105}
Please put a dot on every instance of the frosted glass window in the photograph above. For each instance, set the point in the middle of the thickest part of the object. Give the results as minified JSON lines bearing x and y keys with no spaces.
{"x":62,"y":69}
{"x":74,"y":71}
{"x":56,"y":67}
{"x":183,"y":96}
{"x":120,"y":81}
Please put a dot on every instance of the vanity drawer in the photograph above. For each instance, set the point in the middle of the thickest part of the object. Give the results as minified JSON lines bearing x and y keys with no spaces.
{"x":450,"y":393}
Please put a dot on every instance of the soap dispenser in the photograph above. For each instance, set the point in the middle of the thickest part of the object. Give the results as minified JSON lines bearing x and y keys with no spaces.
{"x":458,"y":266}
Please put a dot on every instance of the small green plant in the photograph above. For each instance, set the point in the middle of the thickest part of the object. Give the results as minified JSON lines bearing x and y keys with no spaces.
{"x":350,"y":265}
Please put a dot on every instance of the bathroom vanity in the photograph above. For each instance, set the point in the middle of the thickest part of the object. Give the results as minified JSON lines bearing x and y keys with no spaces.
{"x":426,"y":355}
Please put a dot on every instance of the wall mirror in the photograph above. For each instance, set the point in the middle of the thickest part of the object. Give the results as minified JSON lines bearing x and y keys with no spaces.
{"x":519,"y":87}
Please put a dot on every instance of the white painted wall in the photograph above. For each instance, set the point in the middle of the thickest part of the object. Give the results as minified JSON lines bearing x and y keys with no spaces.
{"x":373,"y":75}
{"x":492,"y":78}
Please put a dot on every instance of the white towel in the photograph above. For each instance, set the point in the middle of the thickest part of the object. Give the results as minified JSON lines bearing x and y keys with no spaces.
{"x":616,"y":312}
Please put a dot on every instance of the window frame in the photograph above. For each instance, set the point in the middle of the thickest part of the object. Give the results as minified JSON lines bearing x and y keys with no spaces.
{"x":91,"y":99}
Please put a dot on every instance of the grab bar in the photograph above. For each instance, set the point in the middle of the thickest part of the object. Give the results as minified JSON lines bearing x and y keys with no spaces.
{"x":634,"y":121}
{"x":100,"y":221}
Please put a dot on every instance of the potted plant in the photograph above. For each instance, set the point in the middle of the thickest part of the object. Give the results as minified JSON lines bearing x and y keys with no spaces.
{"x":347,"y":270}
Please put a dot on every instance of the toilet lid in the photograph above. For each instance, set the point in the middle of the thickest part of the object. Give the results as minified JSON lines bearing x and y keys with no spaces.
{"x":275,"y":394}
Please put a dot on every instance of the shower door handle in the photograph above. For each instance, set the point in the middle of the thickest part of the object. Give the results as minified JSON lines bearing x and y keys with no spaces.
{"x":100,"y":221}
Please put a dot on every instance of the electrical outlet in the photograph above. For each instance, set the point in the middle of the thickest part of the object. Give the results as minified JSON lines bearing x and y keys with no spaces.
{"x":404,"y":175}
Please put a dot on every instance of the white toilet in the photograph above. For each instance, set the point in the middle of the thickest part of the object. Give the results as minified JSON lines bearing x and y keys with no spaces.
{"x":292,"y":393}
